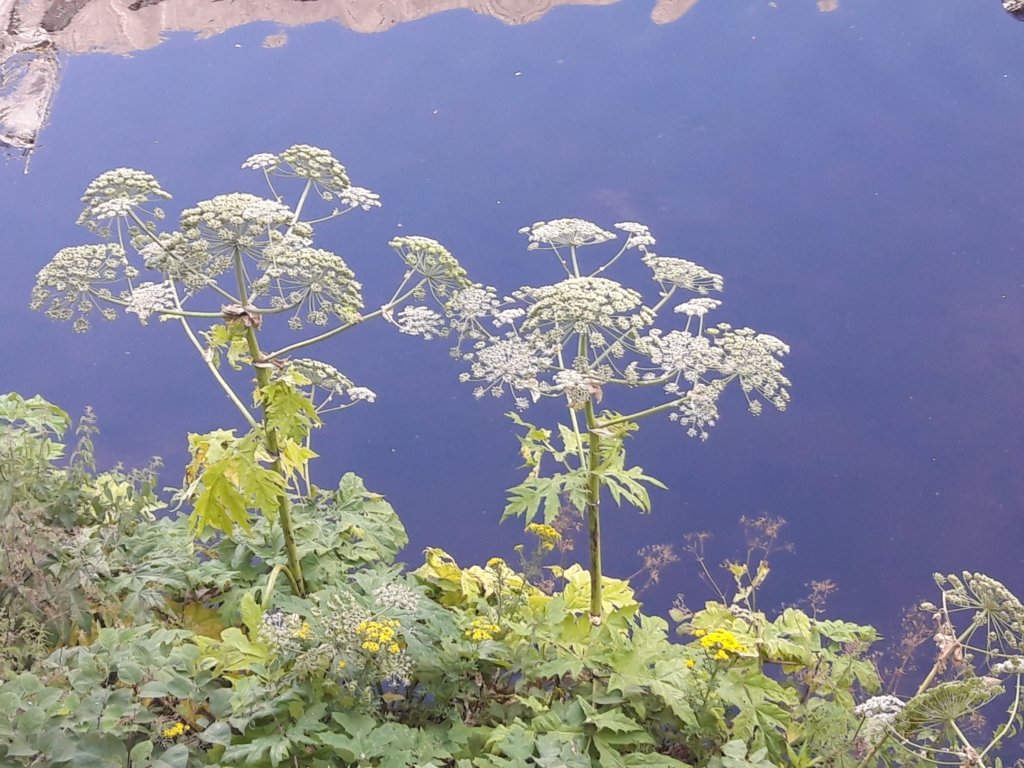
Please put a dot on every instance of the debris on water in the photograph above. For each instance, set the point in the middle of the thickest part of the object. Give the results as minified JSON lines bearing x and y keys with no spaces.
{"x":275,"y":40}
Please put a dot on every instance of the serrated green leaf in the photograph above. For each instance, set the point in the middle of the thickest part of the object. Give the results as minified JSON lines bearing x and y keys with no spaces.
{"x":217,"y":733}
{"x":252,"y":614}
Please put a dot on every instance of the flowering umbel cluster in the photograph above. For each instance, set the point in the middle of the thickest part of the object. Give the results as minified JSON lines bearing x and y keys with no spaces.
{"x":236,"y":260}
{"x":879,"y":713}
{"x":575,"y":337}
{"x":260,"y":238}
{"x":995,"y":610}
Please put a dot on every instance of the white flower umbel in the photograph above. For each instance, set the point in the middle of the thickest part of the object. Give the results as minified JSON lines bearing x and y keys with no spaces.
{"x":359,"y":197}
{"x":313,"y":278}
{"x":754,"y":358}
{"x":360,"y":394}
{"x":507,"y":316}
{"x":679,"y":353}
{"x":115,"y":193}
{"x":576,"y":386}
{"x":567,"y":232}
{"x":879,"y":713}
{"x":281,"y":632}
{"x":398,"y":597}
{"x":1011,"y":666}
{"x":512,"y":362}
{"x":582,"y":305}
{"x":317,"y":165}
{"x":149,"y":298}
{"x":468,"y":307}
{"x":267,"y":213}
{"x":75,"y":277}
{"x":428,"y":258}
{"x":683,"y":274}
{"x":639,"y":235}
{"x":420,"y":321}
{"x":697,"y":307}
{"x":189,"y":261}
{"x":700,"y":409}
{"x":261,"y":161}
{"x":234,"y":222}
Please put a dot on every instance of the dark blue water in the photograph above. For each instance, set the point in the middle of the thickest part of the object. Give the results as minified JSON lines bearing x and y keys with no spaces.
{"x":856,"y":176}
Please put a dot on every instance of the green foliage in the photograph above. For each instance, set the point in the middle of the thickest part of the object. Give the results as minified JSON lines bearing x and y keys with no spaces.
{"x":74,"y":546}
{"x":545,"y":495}
{"x":226,"y":477}
{"x":179,"y":652}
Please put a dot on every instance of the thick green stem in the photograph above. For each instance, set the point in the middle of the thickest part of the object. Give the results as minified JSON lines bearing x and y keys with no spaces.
{"x":594,"y":519}
{"x":283,"y":505}
{"x":268,"y":591}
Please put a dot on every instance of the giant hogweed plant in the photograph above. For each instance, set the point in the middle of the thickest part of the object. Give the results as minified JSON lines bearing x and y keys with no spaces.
{"x":579,"y":337}
{"x":235,"y":262}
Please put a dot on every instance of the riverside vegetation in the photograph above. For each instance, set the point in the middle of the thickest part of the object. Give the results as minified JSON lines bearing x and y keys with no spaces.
{"x":264,"y":621}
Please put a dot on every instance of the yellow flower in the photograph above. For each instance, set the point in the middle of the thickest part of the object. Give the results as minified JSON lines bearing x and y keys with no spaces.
{"x":175,"y":730}
{"x":722,"y":642}
{"x":481,"y":629}
{"x":302,"y":633}
{"x":691,"y":663}
{"x":545,"y":533}
{"x":371,"y":646}
{"x":494,"y":562}
{"x":378,"y":633}
{"x":342,"y":664}
{"x":394,"y":648}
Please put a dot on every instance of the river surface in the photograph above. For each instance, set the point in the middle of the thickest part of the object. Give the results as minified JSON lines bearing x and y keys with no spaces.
{"x":856,"y":174}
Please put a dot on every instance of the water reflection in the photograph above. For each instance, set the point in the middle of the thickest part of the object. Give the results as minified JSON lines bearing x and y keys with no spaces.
{"x":29,"y":72}
{"x":34,"y":32}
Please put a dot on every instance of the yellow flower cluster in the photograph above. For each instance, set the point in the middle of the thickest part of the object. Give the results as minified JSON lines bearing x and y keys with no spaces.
{"x":379,"y":634}
{"x":303,"y":632}
{"x":480,"y":629}
{"x":543,"y":532}
{"x":548,"y":536}
{"x":175,"y":730}
{"x":721,"y":641}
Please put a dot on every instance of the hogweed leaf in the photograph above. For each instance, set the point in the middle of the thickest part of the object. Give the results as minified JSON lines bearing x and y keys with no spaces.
{"x":252,"y":614}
